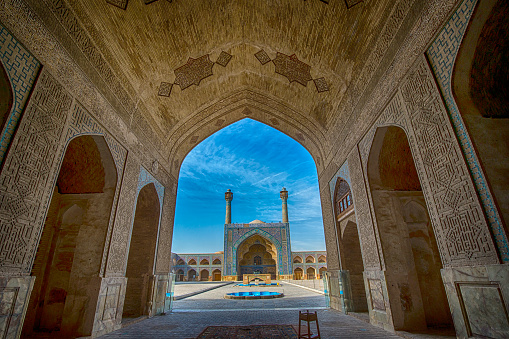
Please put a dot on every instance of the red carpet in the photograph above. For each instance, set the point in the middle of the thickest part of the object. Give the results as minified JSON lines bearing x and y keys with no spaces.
{"x":248,"y":332}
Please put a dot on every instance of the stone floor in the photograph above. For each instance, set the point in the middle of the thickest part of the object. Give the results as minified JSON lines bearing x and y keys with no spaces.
{"x":192,"y":315}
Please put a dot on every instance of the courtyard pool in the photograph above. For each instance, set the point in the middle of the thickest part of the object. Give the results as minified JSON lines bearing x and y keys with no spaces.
{"x":253,"y":295}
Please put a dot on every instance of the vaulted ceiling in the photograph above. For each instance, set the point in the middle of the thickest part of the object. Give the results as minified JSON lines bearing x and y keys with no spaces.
{"x":177,"y":71}
{"x":146,"y":43}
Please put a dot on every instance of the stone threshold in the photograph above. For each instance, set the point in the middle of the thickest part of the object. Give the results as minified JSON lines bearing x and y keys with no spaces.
{"x":183,"y":296}
{"x":305,"y":287}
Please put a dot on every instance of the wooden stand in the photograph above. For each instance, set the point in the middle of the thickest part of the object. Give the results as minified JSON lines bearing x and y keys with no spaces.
{"x":308,"y":317}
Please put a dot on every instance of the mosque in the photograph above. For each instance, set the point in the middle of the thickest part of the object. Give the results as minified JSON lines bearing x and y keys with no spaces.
{"x":253,"y":248}
{"x":402,"y":104}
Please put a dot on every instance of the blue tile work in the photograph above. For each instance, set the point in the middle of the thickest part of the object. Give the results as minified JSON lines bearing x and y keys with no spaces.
{"x":272,"y":231}
{"x":343,"y":173}
{"x":442,"y":55}
{"x":22,"y":68}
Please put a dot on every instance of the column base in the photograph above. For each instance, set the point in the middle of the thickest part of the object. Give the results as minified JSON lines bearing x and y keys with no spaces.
{"x":478,"y":297}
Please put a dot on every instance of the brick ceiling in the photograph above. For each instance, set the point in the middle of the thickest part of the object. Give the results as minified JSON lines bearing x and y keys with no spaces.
{"x":145,"y":43}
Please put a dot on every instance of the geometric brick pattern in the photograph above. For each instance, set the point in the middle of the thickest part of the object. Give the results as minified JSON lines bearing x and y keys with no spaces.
{"x":367,"y":235}
{"x":32,"y":165}
{"x":29,"y":172}
{"x":223,"y":59}
{"x":462,"y":235}
{"x":193,"y":72}
{"x":118,"y":3}
{"x":442,"y":55}
{"x":293,"y":69}
{"x":351,"y":3}
{"x":465,"y":237}
{"x":21,"y":68}
{"x":117,"y":254}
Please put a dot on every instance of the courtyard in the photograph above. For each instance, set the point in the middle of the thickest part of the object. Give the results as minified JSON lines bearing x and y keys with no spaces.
{"x":193,"y":314}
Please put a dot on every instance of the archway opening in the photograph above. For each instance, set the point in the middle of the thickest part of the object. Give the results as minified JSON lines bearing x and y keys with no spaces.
{"x":310,"y":273}
{"x":297,"y":260}
{"x":191,"y":275}
{"x":204,"y":262}
{"x":216,"y":262}
{"x":6,"y":97}
{"x":180,"y":275}
{"x":412,"y":261}
{"x":257,"y":255}
{"x":69,"y":257}
{"x":480,"y":84}
{"x":349,"y":244}
{"x":322,"y":271}
{"x":204,"y":275}
{"x":142,"y":254}
{"x":216,"y":275}
{"x":298,"y":273}
{"x":310,"y":260}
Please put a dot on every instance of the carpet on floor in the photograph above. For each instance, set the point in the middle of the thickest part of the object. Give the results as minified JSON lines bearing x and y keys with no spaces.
{"x":248,"y":332}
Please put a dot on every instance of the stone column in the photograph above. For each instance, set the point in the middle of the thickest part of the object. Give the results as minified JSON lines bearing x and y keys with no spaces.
{"x":228,"y":196}
{"x":284,"y":197}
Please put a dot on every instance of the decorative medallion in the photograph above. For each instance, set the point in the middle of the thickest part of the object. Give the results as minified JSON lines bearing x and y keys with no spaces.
{"x":293,"y":69}
{"x":118,"y":3}
{"x":123,"y":3}
{"x":193,"y":72}
{"x":351,"y":3}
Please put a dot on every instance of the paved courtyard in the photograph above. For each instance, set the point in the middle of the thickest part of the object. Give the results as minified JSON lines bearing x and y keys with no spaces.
{"x":192,"y":315}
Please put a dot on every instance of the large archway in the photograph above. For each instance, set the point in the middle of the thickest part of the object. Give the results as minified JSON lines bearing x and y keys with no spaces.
{"x":68,"y":260}
{"x":257,"y":255}
{"x":480,"y":84}
{"x":412,"y":261}
{"x":142,"y":254}
{"x":6,"y":96}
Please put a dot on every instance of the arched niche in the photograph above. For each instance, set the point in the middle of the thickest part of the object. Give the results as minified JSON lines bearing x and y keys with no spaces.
{"x":191,"y":275}
{"x":310,"y":259}
{"x":216,"y":275}
{"x":350,"y":255}
{"x":297,"y":260}
{"x":142,"y":253}
{"x":257,"y":254}
{"x":411,"y":258}
{"x":311,"y":273}
{"x":6,"y":97}
{"x":69,"y":255}
{"x":216,"y":262}
{"x":480,"y":84}
{"x":204,"y":275}
{"x":204,"y":262}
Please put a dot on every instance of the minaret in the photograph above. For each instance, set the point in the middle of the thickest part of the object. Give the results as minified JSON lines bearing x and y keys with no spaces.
{"x":228,"y":196}
{"x":284,"y":197}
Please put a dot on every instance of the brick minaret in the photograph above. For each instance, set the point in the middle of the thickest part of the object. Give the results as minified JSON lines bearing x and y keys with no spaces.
{"x":228,"y":196}
{"x":284,"y":197}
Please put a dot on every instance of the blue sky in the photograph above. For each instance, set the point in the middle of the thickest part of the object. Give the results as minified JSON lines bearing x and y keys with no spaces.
{"x":255,"y":161}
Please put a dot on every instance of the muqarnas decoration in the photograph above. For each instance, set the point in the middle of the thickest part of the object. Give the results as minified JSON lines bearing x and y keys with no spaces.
{"x":292,"y":68}
{"x":193,"y":72}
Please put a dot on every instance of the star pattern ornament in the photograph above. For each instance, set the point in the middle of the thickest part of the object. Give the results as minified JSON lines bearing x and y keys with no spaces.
{"x":292,"y":68}
{"x":193,"y":72}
